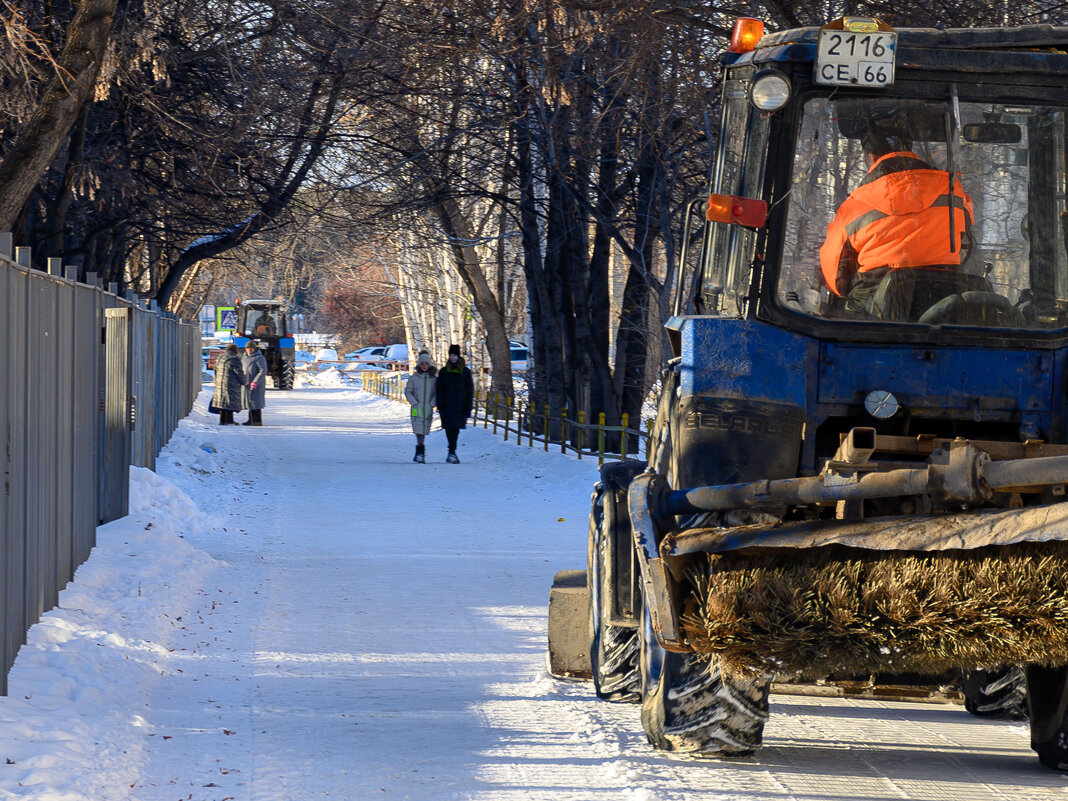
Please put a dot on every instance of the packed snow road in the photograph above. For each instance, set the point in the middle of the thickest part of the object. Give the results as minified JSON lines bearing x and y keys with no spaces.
{"x":333,"y":621}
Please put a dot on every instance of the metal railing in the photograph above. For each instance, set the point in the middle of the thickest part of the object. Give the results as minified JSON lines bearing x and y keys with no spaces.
{"x":90,"y":384}
{"x":521,"y":422}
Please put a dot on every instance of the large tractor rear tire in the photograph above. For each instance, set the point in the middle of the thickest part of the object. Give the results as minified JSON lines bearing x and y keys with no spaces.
{"x":287,"y":376}
{"x":613,"y":649}
{"x":1047,"y":701}
{"x":688,"y":705}
{"x":999,"y":692}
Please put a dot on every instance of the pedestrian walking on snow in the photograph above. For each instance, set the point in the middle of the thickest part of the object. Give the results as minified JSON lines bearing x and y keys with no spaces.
{"x":455,"y":397}
{"x":229,"y":380}
{"x":254,"y":394}
{"x":419,"y":391}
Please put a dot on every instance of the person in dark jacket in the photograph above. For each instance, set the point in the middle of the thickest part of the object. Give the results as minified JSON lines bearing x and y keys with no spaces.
{"x":455,"y":397}
{"x":229,"y":379}
{"x":254,"y":394}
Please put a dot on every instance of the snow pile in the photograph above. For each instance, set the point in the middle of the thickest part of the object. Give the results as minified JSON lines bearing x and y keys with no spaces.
{"x":331,"y":377}
{"x":193,"y":450}
{"x":71,"y":733}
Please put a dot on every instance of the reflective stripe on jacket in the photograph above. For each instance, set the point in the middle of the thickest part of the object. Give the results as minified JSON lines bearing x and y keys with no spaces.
{"x":898,"y":217}
{"x":420,"y":390}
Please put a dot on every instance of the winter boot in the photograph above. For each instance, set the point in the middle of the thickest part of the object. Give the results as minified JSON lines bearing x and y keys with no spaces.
{"x":452,"y":458}
{"x":420,"y":450}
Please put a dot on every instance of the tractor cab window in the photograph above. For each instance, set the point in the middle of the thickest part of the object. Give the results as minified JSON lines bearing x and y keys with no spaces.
{"x":265,"y":325}
{"x":928,"y":212}
{"x":725,"y":274}
{"x":259,"y":323}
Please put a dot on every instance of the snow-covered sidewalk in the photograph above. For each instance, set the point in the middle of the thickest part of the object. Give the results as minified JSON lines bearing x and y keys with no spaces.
{"x":301,"y":612}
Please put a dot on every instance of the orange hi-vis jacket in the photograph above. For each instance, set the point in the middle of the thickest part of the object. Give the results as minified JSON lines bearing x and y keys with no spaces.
{"x":897,"y":217}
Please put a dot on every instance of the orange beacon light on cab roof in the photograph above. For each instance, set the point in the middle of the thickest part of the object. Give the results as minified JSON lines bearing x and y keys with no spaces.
{"x":747,"y":32}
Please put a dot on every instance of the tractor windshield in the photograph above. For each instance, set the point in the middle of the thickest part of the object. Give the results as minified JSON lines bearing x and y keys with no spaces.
{"x":261,"y":322}
{"x":928,"y":212}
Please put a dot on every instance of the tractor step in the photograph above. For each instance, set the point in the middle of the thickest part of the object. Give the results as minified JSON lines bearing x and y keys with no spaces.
{"x":922,"y":694}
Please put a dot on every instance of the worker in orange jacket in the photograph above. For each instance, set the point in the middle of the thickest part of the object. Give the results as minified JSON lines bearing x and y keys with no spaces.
{"x":897,"y":218}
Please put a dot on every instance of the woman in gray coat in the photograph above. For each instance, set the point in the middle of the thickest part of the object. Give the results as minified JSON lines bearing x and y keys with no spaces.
{"x":229,"y":379}
{"x":254,"y":393}
{"x":419,"y":391}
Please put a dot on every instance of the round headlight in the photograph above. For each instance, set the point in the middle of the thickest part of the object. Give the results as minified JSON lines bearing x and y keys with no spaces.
{"x":770,"y":91}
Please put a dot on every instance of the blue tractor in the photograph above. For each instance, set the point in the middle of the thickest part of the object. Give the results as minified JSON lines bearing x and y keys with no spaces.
{"x":266,"y":323}
{"x":858,"y":467}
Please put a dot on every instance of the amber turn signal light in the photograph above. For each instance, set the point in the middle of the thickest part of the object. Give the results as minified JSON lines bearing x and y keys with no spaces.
{"x":737,"y":210}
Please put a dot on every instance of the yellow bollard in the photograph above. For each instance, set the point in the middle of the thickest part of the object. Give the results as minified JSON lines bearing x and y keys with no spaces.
{"x":563,"y":430}
{"x":600,"y":439}
{"x":623,"y":437}
{"x":579,"y":432}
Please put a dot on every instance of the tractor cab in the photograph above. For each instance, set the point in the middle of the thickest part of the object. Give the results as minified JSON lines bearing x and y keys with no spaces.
{"x":983,"y":252}
{"x":888,"y":219}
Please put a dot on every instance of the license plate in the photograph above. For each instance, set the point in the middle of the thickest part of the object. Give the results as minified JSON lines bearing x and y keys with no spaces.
{"x":844,"y":58}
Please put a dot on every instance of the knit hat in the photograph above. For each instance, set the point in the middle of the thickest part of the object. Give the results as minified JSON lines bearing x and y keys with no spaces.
{"x":454,"y":349}
{"x":424,"y":358}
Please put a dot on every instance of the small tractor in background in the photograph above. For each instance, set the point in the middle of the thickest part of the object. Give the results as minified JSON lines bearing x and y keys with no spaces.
{"x":264,"y":321}
{"x":839,"y":489}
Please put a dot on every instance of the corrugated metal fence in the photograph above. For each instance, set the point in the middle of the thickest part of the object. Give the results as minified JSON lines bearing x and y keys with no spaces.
{"x":90,"y":383}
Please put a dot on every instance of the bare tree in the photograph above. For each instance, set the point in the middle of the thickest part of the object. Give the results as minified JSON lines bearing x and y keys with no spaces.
{"x":73,"y":76}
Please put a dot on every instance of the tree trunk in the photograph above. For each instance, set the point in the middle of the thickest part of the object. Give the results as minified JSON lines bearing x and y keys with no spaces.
{"x":57,"y":216}
{"x":467,"y":263}
{"x":39,"y":139}
{"x":635,"y":319}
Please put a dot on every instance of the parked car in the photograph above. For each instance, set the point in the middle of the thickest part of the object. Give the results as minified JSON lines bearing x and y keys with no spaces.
{"x":326,"y":355}
{"x":520,"y":356}
{"x":372,"y":353}
{"x":398,"y":354}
